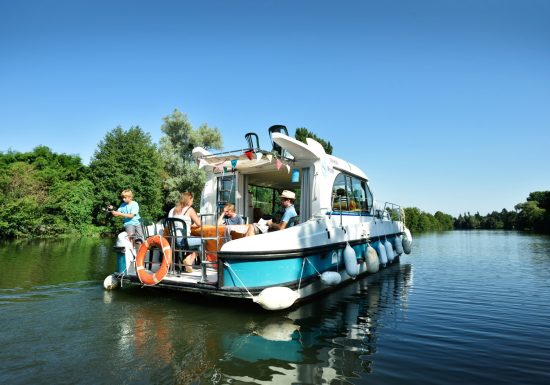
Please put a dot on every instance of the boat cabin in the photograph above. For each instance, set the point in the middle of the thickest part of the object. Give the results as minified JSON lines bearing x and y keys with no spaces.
{"x":253,"y":178}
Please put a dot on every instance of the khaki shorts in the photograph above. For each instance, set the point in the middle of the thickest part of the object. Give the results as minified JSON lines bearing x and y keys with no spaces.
{"x":135,"y":231}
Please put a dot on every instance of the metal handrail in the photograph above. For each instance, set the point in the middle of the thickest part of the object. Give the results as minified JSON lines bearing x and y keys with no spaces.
{"x":392,"y":208}
{"x":204,"y":262}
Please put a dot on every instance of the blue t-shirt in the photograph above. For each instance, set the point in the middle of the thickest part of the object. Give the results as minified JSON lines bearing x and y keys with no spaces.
{"x":131,"y":208}
{"x":290,"y":212}
{"x":236,"y":220}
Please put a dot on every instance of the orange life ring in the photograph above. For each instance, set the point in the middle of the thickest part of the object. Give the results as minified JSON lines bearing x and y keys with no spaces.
{"x":145,"y":276}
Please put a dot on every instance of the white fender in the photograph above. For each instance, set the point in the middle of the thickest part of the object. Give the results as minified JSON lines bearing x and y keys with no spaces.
{"x":373,"y":264}
{"x":350,"y":261}
{"x":111,"y":282}
{"x":276,"y":298}
{"x":389,"y":250}
{"x":381,"y":250}
{"x":398,"y":244}
{"x":407,"y":241}
{"x":331,"y":278}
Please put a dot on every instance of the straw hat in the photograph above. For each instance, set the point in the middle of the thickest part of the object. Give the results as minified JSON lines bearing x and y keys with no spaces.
{"x":288,"y":194}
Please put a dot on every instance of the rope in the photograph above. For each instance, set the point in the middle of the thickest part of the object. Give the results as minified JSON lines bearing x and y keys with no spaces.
{"x":312,"y":265}
{"x":233,"y":271}
{"x":302,"y":272}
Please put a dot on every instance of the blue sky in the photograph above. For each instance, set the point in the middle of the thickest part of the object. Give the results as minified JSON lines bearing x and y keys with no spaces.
{"x":444,"y":104}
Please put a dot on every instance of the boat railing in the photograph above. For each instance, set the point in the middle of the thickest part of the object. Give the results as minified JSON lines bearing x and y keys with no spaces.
{"x":238,"y":153}
{"x":173,"y":232}
{"x":204,"y":262}
{"x":394,"y":211}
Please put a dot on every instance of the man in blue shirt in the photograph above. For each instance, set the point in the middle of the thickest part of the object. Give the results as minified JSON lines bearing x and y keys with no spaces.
{"x":287,"y":202}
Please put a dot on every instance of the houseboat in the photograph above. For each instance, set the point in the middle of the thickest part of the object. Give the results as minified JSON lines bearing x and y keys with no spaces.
{"x":340,"y":233}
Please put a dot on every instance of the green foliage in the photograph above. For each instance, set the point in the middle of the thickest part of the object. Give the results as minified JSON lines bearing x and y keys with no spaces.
{"x":532,"y":215}
{"x":20,"y":217}
{"x":420,"y":221}
{"x":265,"y":199}
{"x":445,"y":221}
{"x":176,"y":146}
{"x":126,"y":160}
{"x":42,"y":193}
{"x":36,"y":189}
{"x":302,"y":133}
{"x":22,"y":197}
{"x":69,"y":205}
{"x":537,"y":218}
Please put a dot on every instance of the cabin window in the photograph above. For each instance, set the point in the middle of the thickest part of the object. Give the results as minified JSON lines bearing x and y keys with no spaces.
{"x":351,"y":194}
{"x":226,"y":190}
{"x":357,"y":198}
{"x":369,"y":196}
{"x":339,"y":194}
{"x":262,"y":201}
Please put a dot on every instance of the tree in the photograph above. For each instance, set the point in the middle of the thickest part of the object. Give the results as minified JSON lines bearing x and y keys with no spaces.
{"x":126,"y":160}
{"x":420,"y":221}
{"x":176,"y":146}
{"x":508,"y":219}
{"x":412,"y":219}
{"x":541,"y":197}
{"x":530,"y":216}
{"x":69,"y":206}
{"x":22,"y":196}
{"x":302,"y":133}
{"x":445,"y":221}
{"x":43,"y":193}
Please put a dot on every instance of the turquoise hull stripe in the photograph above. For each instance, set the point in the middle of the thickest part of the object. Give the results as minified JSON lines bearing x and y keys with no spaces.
{"x":260,"y":273}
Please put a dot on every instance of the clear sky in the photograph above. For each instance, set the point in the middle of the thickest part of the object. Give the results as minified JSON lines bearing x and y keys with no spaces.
{"x":444,"y":104}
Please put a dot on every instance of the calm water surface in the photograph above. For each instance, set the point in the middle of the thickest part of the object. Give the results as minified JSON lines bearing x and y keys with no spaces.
{"x":464,"y":308}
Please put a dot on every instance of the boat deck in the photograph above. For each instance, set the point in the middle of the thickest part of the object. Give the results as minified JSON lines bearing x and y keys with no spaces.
{"x":195,"y":277}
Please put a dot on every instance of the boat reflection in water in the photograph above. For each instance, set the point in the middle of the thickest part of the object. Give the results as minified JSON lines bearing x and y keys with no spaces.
{"x":328,"y":339}
{"x":321,"y":341}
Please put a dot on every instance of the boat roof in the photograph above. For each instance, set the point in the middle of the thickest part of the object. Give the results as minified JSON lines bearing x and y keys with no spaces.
{"x":257,"y":162}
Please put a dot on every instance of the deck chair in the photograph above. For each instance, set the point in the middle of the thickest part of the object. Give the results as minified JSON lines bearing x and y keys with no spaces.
{"x":175,"y":230}
{"x":145,"y":231}
{"x":145,"y":223}
{"x":293,"y":221}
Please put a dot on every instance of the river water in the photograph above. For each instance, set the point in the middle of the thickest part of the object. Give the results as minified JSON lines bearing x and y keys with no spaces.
{"x":464,"y":308}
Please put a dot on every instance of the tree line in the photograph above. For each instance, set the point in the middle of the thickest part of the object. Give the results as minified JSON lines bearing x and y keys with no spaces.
{"x":47,"y":194}
{"x":531,"y":215}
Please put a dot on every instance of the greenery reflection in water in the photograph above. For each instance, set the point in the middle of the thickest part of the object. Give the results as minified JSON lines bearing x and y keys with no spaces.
{"x":47,"y":262}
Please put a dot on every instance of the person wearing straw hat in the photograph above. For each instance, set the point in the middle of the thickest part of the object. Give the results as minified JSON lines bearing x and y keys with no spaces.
{"x":287,"y":202}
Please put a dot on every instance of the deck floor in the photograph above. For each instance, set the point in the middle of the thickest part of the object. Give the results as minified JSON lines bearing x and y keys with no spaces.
{"x":194,"y":277}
